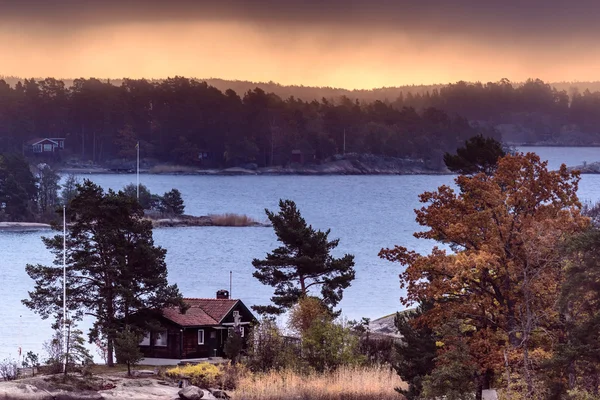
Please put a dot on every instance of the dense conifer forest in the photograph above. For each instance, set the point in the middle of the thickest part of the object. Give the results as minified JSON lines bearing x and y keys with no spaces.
{"x":229,"y":123}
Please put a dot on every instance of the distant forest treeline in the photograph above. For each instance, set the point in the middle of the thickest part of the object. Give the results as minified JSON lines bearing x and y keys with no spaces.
{"x":309,"y":93}
{"x":188,"y":121}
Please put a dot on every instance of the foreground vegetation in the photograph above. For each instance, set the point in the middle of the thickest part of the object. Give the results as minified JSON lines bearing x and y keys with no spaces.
{"x":347,"y":383}
{"x":513,"y":303}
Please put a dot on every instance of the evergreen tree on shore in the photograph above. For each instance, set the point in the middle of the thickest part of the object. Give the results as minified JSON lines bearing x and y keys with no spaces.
{"x":302,"y":263}
{"x":479,"y":154}
{"x":18,"y":189}
{"x":115,"y":272}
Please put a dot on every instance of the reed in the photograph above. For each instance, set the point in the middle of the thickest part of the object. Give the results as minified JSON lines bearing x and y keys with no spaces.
{"x":346,"y":383}
{"x":231,"y":219}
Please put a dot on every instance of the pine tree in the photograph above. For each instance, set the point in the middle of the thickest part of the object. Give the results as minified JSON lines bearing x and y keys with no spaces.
{"x":480,"y":154}
{"x":302,"y":263}
{"x":48,"y":186}
{"x":416,"y":352}
{"x":172,"y":203}
{"x":18,"y":189}
{"x":127,"y":348}
{"x":578,"y":353}
{"x":147,"y":200}
{"x":69,"y":189}
{"x":115,"y":272}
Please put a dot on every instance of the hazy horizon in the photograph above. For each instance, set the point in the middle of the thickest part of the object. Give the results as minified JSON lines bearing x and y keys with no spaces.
{"x":14,"y":78}
{"x":352,"y":44}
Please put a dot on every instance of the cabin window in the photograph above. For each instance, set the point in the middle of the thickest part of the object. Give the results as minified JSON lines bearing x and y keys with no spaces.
{"x":48,"y":147}
{"x":200,"y":336}
{"x":145,"y":340}
{"x":161,"y":339}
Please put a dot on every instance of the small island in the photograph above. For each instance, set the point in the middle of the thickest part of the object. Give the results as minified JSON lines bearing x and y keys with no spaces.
{"x":30,"y":197}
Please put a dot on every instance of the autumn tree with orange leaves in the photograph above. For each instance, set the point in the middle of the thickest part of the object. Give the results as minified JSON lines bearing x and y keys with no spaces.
{"x":499,"y":271}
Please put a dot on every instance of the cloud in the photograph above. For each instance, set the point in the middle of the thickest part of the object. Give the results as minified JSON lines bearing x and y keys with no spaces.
{"x":510,"y":18}
{"x":350,"y":43}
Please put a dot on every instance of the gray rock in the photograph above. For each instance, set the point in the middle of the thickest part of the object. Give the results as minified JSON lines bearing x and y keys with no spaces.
{"x":490,"y":394}
{"x":143,"y":372}
{"x":219,"y":394}
{"x":208,"y":395}
{"x":191,"y":393}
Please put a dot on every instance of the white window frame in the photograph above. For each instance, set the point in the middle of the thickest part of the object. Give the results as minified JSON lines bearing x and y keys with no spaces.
{"x":158,"y":340}
{"x":145,"y":340}
{"x":200,"y":341}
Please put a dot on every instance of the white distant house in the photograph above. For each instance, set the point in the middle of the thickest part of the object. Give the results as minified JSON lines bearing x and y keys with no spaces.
{"x":46,"y":145}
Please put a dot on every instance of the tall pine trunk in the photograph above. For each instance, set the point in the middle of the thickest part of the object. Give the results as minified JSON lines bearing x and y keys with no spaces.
{"x":110,"y":347}
{"x":110,"y":330}
{"x":67,"y":350}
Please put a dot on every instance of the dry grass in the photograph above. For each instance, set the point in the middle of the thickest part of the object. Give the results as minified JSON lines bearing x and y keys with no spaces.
{"x":346,"y":383}
{"x":230,"y":219}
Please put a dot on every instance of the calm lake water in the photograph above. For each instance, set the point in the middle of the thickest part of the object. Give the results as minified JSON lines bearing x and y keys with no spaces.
{"x":365,"y":212}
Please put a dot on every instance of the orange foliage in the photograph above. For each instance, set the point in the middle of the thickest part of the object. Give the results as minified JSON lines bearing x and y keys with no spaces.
{"x":306,"y":312}
{"x":503,"y":276}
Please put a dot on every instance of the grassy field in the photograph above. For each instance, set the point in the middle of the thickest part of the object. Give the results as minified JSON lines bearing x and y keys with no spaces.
{"x":343,"y":384}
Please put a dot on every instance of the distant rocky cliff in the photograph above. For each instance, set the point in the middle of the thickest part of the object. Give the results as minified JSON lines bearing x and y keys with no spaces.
{"x":363,"y":164}
{"x":349,"y":164}
{"x":587,"y":168}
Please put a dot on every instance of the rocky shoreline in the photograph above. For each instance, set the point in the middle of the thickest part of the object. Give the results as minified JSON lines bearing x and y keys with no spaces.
{"x":113,"y":386}
{"x":587,"y":168}
{"x":342,"y":165}
{"x":173,"y":222}
{"x":190,"y":220}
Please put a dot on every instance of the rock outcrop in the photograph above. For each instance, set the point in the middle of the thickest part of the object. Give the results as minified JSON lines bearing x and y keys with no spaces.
{"x":191,"y":393}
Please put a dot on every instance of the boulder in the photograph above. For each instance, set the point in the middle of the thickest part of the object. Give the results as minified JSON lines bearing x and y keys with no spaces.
{"x":489,"y":394}
{"x":191,"y":393}
{"x":144,"y":372}
{"x":219,"y":394}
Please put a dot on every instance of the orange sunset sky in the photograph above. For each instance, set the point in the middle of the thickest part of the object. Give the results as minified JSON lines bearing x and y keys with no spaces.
{"x":351,"y":44}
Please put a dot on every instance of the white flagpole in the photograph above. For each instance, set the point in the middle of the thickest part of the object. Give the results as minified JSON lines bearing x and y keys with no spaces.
{"x":138,"y":170}
{"x":65,"y":286}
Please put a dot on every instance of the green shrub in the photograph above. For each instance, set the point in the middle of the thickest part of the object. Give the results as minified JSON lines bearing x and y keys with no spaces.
{"x":203,"y":375}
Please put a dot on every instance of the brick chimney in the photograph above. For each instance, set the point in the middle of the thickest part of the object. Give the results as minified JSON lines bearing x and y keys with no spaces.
{"x":222,"y":294}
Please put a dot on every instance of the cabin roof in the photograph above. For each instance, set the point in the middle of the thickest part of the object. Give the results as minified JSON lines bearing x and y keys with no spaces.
{"x":40,"y":140}
{"x":43,"y":139}
{"x":201,"y":312}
